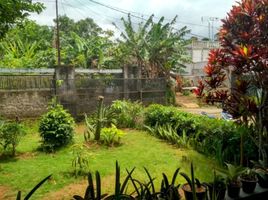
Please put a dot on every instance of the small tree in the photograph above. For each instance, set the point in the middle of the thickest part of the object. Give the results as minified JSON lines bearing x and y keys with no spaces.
{"x":243,"y":57}
{"x":13,"y":12}
{"x":10,"y":135}
{"x":56,"y":128}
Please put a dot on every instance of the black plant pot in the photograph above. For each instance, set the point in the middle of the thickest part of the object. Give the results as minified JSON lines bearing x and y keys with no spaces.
{"x":263,"y":181}
{"x":248,"y":186}
{"x":219,"y":192}
{"x":233,"y":190}
{"x":200,"y":193}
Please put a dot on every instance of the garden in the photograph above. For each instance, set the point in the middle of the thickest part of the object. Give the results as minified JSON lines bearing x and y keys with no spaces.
{"x":127,"y":150}
{"x":156,"y":139}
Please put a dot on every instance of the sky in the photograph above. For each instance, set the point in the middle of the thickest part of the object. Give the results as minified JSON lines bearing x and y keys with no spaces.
{"x":197,"y":15}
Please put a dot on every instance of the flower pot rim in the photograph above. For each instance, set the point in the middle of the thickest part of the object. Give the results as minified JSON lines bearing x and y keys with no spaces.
{"x":249,"y":180}
{"x":202,"y":186}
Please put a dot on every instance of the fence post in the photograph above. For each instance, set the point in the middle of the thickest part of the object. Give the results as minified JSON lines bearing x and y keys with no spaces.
{"x":125,"y":78}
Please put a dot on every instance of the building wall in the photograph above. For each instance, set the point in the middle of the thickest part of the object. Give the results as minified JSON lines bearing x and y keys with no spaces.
{"x":199,"y":51}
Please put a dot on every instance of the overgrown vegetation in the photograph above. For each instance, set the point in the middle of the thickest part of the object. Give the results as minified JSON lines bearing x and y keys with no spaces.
{"x":128,"y":114}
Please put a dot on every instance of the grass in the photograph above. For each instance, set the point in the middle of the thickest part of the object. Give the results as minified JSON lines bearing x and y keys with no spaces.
{"x":139,"y":149}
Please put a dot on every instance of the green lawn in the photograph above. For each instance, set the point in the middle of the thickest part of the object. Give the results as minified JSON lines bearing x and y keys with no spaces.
{"x":139,"y":149}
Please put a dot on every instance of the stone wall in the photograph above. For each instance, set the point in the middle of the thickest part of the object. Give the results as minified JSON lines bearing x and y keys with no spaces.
{"x":24,"y":104}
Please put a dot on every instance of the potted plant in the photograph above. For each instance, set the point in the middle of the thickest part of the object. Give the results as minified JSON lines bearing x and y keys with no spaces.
{"x":217,"y":188}
{"x":262,"y":173}
{"x":193,"y":189}
{"x":233,"y":183}
{"x":249,"y":180}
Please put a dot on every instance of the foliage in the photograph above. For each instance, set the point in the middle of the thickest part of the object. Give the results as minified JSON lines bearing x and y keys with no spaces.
{"x":80,"y":161}
{"x":27,"y":46}
{"x":217,"y":188}
{"x":215,"y":137}
{"x":192,"y":182}
{"x":13,"y":12}
{"x":168,"y":190}
{"x":127,"y":114}
{"x":243,"y":56}
{"x":33,"y":190}
{"x":84,"y":44}
{"x":10,"y":136}
{"x":249,"y":174}
{"x":56,"y":128}
{"x":90,"y":128}
{"x":92,"y":193}
{"x":233,"y":172}
{"x":111,"y":136}
{"x":103,"y":117}
{"x":155,"y":47}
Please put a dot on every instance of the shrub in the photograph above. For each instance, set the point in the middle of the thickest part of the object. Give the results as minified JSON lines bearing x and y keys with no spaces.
{"x":103,"y":117}
{"x":80,"y":162}
{"x":111,"y":136}
{"x":128,"y":114}
{"x":56,"y":128}
{"x":215,"y":137}
{"x":10,"y":135}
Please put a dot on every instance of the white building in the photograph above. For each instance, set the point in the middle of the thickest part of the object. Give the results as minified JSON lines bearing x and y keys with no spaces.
{"x":199,"y":51}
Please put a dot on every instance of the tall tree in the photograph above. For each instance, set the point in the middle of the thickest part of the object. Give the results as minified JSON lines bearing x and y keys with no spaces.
{"x":15,"y":11}
{"x":156,"y":47}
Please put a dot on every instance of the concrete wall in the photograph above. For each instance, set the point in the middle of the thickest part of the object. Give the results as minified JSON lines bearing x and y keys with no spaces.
{"x":77,"y":93}
{"x":24,"y":104}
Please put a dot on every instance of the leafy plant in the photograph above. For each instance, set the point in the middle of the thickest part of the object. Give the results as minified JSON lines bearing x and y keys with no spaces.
{"x":195,"y":186}
{"x":56,"y":128}
{"x":232,"y":173}
{"x":92,"y":193}
{"x":33,"y":190}
{"x":90,"y":129}
{"x":10,"y":135}
{"x":170,"y":191}
{"x":80,"y":161}
{"x":104,"y":117}
{"x":111,"y":136}
{"x":217,"y":188}
{"x":128,"y":113}
{"x":192,"y":182}
{"x":249,"y":174}
{"x":120,"y":188}
{"x":242,"y":36}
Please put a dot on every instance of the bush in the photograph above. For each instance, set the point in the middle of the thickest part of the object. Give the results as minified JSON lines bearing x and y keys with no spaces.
{"x":10,"y":135}
{"x":56,"y":128}
{"x":128,"y":114}
{"x":111,"y":136}
{"x":215,"y":137}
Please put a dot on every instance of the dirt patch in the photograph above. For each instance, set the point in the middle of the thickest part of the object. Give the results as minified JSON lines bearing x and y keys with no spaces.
{"x":5,"y":193}
{"x":189,"y":101}
{"x":26,"y":155}
{"x":80,"y":128}
{"x":79,"y":188}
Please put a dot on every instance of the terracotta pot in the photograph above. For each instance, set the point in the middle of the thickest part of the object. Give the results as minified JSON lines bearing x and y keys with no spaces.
{"x":200,"y":192}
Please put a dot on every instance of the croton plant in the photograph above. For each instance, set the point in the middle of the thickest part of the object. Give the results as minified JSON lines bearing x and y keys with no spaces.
{"x":243,"y":58}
